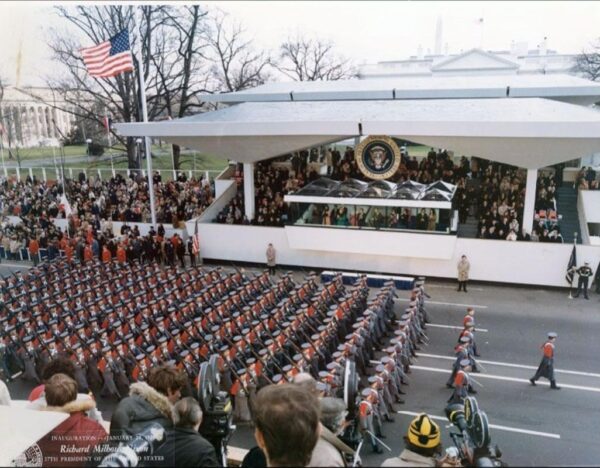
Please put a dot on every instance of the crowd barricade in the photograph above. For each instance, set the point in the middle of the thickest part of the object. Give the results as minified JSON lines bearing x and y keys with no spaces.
{"x":51,"y":173}
{"x":375,"y":281}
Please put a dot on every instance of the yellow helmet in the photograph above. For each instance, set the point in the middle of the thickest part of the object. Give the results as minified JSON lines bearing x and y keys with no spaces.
{"x":423,"y":432}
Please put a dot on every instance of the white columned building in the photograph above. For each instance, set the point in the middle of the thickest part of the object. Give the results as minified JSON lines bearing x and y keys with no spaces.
{"x":30,"y":120}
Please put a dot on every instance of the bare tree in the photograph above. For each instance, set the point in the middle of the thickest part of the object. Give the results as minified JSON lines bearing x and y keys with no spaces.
{"x":588,"y":63}
{"x":308,"y":59}
{"x":182,"y":70}
{"x":237,"y":64}
{"x":170,"y":53}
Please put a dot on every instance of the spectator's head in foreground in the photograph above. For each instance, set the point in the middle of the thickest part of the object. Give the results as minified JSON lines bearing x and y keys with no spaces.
{"x":168,"y":381}
{"x":287,"y":424}
{"x":333,"y":414}
{"x":60,"y":390}
{"x":423,"y":436}
{"x":188,"y":414}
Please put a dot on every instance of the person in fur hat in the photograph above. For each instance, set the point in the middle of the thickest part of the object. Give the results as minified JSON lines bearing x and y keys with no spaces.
{"x":149,"y":402}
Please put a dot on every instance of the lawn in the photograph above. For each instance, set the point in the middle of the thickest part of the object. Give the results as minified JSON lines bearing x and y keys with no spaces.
{"x":44,"y":152}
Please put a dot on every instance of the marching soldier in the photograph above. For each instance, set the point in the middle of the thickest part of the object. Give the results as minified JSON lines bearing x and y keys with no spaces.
{"x":469,"y":331}
{"x":369,"y":418}
{"x":462,"y":353}
{"x":462,"y":384}
{"x":546,"y":367}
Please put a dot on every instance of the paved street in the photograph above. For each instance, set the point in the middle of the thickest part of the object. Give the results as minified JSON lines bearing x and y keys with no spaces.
{"x":533,"y":426}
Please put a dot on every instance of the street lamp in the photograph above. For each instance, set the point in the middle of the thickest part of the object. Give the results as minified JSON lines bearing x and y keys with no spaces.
{"x":139,"y":142}
{"x":88,"y":141}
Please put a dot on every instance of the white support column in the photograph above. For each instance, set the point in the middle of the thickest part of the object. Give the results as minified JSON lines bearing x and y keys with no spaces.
{"x":36,"y":125}
{"x":530,"y":192}
{"x":249,"y":190}
{"x":44,"y":174}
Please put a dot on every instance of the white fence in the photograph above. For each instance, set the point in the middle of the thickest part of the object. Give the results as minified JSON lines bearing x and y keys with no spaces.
{"x":54,"y":173}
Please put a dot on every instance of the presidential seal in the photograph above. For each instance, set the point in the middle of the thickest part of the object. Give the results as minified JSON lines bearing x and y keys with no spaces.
{"x":30,"y":457}
{"x":377,"y":157}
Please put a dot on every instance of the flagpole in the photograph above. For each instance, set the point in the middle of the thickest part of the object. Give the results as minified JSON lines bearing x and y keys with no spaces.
{"x":146,"y":139}
{"x":571,"y":282}
{"x":109,"y":141}
{"x":2,"y":151}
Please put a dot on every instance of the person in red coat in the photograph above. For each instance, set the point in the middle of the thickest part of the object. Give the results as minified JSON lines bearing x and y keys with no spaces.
{"x":106,"y":255}
{"x":69,"y":252}
{"x":34,"y":250}
{"x":87,"y":253}
{"x":71,"y":442}
{"x":121,"y":254}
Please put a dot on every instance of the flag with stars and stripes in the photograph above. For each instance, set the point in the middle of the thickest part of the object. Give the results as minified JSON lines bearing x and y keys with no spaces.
{"x":109,"y":58}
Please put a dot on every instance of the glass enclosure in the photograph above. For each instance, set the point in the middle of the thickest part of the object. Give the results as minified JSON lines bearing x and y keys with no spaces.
{"x":395,"y":218}
{"x":367,"y":215}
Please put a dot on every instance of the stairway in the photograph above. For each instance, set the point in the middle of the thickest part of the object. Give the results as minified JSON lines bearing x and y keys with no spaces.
{"x":468,"y":229}
{"x":566,"y":206}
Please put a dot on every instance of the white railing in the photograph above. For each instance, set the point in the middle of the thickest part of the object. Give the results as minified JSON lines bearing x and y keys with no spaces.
{"x":53,"y":173}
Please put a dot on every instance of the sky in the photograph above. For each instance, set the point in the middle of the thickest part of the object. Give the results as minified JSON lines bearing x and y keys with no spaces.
{"x":365,"y":32}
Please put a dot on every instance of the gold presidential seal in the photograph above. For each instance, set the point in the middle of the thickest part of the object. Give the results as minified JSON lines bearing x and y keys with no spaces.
{"x":377,"y":157}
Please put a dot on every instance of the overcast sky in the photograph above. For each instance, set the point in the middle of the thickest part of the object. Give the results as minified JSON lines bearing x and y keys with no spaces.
{"x":363,"y":31}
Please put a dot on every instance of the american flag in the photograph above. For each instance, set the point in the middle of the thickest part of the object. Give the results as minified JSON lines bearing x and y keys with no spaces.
{"x":110,"y":57}
{"x":107,"y":122}
{"x":196,"y":240}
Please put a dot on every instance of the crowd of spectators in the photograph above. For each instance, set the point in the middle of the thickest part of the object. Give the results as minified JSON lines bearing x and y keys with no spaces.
{"x":93,"y":203}
{"x":273,"y":181}
{"x":118,"y":198}
{"x":271,"y":184}
{"x":546,"y":226}
{"x":587,"y":179}
{"x":500,"y":201}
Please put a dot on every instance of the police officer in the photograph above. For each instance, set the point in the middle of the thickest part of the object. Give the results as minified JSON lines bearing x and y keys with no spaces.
{"x":584,"y":273}
{"x":546,"y":368}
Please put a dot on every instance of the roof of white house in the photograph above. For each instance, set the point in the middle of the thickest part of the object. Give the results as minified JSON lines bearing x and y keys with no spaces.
{"x":529,"y":132}
{"x":561,"y":87}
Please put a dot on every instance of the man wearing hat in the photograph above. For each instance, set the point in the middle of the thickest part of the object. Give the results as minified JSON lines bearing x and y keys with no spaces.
{"x":584,"y":273}
{"x":546,"y":368}
{"x":423,"y":445}
{"x":462,"y":383}
{"x":461,"y":352}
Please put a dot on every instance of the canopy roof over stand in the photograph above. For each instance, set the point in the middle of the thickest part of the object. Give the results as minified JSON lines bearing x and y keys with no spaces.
{"x":527,"y":132}
{"x":565,"y":88}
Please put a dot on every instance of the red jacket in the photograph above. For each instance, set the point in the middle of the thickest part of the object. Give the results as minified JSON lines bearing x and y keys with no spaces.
{"x":70,"y":443}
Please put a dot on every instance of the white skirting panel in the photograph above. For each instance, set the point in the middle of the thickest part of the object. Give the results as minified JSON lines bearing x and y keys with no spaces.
{"x":498,"y":261}
{"x":360,"y":241}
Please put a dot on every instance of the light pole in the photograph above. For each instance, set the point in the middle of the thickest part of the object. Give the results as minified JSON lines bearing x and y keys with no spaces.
{"x":88,"y":141}
{"x":138,"y":144}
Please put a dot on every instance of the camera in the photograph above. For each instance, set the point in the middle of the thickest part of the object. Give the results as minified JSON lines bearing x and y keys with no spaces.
{"x":217,"y":421}
{"x":473,"y":442}
{"x":352,"y":435}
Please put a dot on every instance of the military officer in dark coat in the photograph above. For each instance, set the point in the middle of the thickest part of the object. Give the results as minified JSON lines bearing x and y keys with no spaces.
{"x":584,"y":273}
